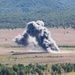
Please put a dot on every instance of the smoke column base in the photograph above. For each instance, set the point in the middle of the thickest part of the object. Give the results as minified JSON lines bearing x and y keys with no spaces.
{"x":37,"y":38}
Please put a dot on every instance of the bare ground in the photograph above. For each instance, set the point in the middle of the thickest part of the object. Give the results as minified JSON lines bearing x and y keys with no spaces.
{"x":61,"y":36}
{"x":49,"y":58}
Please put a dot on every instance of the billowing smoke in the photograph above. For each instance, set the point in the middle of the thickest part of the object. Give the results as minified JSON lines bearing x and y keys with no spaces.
{"x":37,"y":35}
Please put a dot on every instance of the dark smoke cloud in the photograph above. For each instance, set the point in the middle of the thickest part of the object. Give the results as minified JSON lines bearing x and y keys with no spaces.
{"x":37,"y":35}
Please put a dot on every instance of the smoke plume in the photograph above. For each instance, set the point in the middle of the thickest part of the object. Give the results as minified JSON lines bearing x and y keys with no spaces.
{"x":36,"y":35}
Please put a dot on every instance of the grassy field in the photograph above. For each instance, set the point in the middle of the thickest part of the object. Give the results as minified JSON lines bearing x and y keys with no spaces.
{"x":62,"y":37}
{"x":65,"y":39}
{"x":11,"y":54}
{"x":67,"y":48}
{"x":70,"y":73}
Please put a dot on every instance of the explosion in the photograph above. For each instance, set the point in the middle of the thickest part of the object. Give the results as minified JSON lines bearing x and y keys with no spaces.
{"x":36,"y":35}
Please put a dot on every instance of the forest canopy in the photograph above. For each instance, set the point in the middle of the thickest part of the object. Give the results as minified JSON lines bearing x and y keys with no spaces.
{"x":55,"y":13}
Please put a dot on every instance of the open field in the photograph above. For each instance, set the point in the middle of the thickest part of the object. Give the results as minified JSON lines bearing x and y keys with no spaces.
{"x":64,"y":36}
{"x":37,"y":58}
{"x":71,"y":73}
{"x":10,"y":54}
{"x":61,"y":36}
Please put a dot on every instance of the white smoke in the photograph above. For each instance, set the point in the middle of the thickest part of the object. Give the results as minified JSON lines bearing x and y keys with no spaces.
{"x":37,"y":36}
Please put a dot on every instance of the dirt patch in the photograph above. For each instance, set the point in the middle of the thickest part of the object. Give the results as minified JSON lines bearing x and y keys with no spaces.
{"x":61,"y":36}
{"x":20,"y":55}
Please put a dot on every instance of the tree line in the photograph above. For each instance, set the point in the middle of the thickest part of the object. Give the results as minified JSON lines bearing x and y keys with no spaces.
{"x":58,"y":69}
{"x":36,"y":69}
{"x":64,"y":19}
{"x":20,"y":69}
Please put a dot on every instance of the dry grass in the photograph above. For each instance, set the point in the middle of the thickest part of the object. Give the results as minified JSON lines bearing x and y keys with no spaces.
{"x":70,"y":73}
{"x":63,"y":37}
{"x":37,"y":58}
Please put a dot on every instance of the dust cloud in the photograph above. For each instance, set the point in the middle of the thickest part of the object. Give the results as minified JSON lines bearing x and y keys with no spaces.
{"x":37,"y":38}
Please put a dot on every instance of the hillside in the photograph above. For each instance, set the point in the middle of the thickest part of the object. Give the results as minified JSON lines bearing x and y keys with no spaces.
{"x":55,"y":13}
